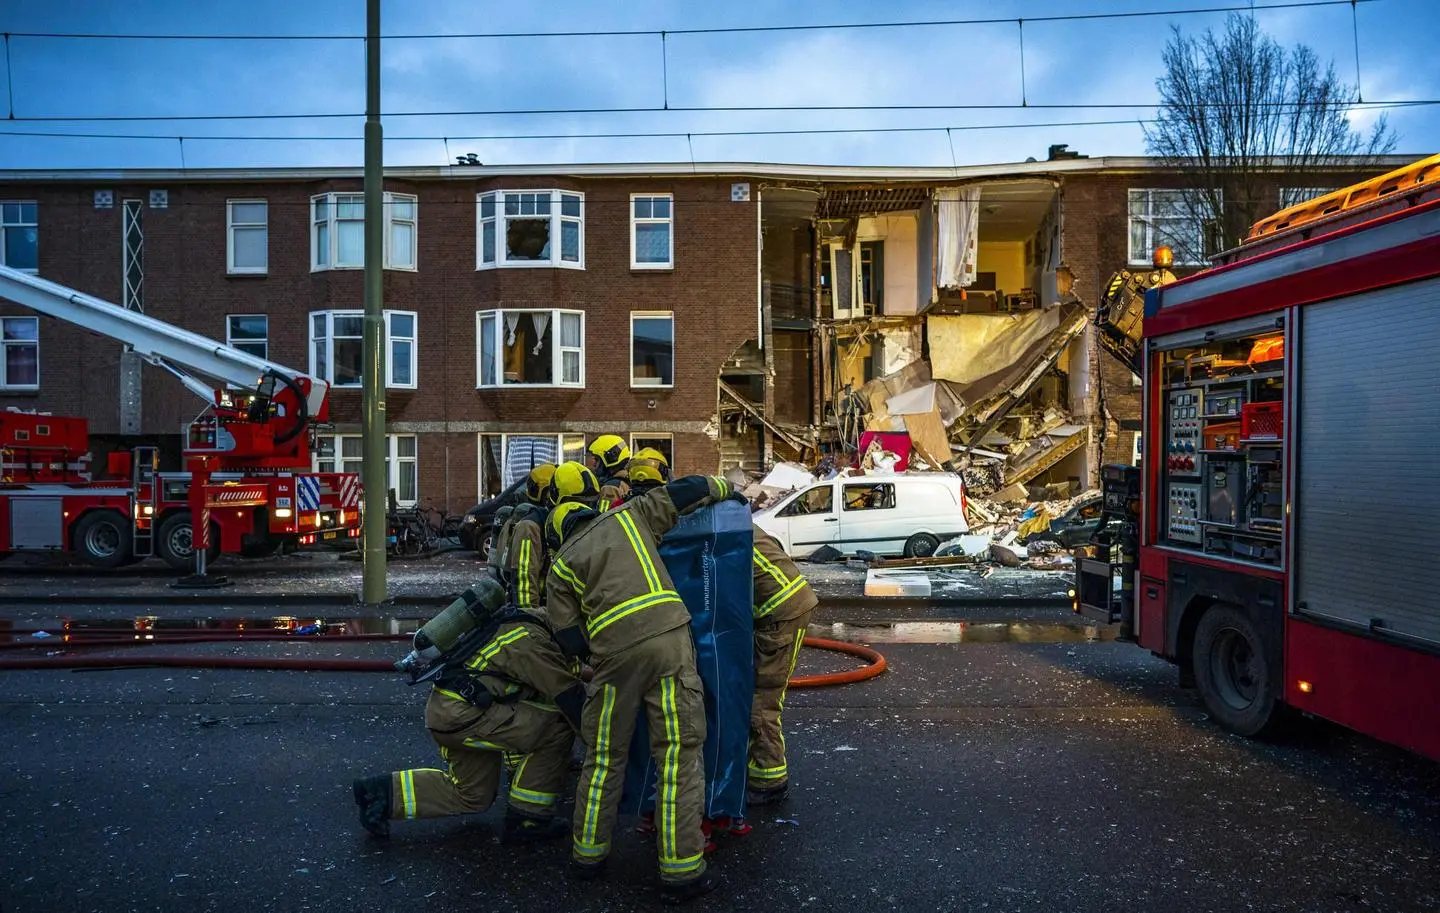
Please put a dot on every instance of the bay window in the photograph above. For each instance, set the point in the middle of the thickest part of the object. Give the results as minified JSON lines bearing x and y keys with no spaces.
{"x":337,"y":342}
{"x":530,"y":228}
{"x":345,"y":453}
{"x":534,"y":348}
{"x":507,"y":458}
{"x":337,"y":231}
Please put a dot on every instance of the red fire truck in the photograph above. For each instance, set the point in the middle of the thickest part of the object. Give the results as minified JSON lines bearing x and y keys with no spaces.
{"x":1276,"y":541}
{"x":247,"y":457}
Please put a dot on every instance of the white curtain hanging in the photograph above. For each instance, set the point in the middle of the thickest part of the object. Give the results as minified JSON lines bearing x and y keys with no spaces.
{"x":512,"y":321}
{"x":542,"y":320}
{"x":958,"y":218}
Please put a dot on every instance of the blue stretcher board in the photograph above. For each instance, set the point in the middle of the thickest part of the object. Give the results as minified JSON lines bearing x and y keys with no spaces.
{"x":708,"y":555}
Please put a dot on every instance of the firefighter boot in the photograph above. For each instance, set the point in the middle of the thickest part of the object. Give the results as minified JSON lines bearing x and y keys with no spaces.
{"x":372,"y":795}
{"x":674,"y":893}
{"x":521,"y":829}
{"x":767,"y":795}
{"x":586,"y":871}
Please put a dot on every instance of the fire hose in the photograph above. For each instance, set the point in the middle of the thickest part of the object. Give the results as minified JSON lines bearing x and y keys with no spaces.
{"x":875,"y":662}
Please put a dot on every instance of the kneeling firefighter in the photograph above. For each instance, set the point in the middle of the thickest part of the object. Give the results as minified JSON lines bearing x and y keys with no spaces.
{"x":524,"y":537}
{"x":501,"y":686}
{"x":610,"y":598}
{"x":783,"y":604}
{"x":610,"y":454}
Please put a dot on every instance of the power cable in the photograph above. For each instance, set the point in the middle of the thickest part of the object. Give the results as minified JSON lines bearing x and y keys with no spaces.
{"x":719,"y":30}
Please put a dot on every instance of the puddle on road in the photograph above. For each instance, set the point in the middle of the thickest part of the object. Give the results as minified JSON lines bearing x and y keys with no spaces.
{"x":963,"y":632}
{"x":927,"y":632}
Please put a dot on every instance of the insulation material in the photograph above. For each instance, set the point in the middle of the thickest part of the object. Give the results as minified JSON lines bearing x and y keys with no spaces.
{"x":958,"y":218}
{"x":927,"y":434}
{"x":912,"y":402}
{"x":968,"y":347}
{"x":899,"y":347}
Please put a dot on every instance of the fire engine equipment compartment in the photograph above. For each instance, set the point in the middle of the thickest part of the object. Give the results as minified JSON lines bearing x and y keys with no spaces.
{"x":1224,"y":490}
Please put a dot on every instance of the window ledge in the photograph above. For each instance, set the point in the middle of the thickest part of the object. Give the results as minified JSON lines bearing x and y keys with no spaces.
{"x":656,"y":268}
{"x":485,"y":267}
{"x":660,"y":387}
{"x":356,"y":269}
{"x":485,"y":387}
{"x":20,"y":391}
{"x":247,"y":274}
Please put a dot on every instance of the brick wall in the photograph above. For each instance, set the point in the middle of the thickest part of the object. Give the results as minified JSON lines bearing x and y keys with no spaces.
{"x":711,"y":291}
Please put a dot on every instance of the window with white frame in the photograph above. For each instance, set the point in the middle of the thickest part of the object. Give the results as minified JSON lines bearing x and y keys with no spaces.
{"x":665,"y":443}
{"x":249,"y":333}
{"x":337,"y":231}
{"x":19,"y":353}
{"x":652,"y":231}
{"x":535,"y":348}
{"x":534,"y":228}
{"x":507,"y":458}
{"x":19,"y":235}
{"x":1180,"y":219}
{"x":652,"y":349}
{"x":1294,"y":196}
{"x":247,"y":243}
{"x":337,"y":347}
{"x":345,"y":453}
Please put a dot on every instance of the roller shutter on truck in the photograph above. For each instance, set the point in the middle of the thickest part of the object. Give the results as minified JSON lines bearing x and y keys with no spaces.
{"x":1367,"y":526}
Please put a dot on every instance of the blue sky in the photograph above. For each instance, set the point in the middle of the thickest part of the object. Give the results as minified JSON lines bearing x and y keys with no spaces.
{"x":1096,"y":62}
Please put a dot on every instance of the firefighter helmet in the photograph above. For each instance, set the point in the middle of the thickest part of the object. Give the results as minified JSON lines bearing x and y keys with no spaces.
{"x":539,"y":482}
{"x":650,"y":453}
{"x":573,"y":481}
{"x":563,"y":521}
{"x":609,"y":451}
{"x":644,"y":474}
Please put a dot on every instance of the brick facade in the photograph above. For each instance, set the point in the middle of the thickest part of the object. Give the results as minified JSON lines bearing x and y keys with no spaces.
{"x":712,"y":292}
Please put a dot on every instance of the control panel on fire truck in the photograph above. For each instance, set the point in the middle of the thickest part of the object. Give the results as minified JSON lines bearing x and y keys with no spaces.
{"x":1222,"y":489}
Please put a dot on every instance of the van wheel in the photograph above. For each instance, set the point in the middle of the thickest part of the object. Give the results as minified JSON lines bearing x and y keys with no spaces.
{"x":921,"y":545}
{"x":175,"y":541}
{"x":1232,"y":673}
{"x":103,"y":539}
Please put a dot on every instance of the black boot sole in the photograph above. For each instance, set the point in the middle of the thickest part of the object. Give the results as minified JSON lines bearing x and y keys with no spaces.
{"x":674,"y":895}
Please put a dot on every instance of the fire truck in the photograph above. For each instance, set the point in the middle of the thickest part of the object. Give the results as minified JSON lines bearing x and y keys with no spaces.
{"x":247,"y":456}
{"x":1274,"y":542}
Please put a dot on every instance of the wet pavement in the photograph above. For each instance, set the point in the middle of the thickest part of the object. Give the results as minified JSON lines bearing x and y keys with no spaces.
{"x":996,"y":766}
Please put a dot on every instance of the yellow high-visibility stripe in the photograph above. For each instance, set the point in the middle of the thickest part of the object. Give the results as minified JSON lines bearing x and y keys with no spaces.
{"x":562,"y":570}
{"x":585,"y":843}
{"x":630,"y":607}
{"x":627,"y":523}
{"x":603,"y":504}
{"x":531,"y":796}
{"x":774,"y":602}
{"x":448,"y":693}
{"x":769,"y":567}
{"x":407,"y":792}
{"x":523,"y":596}
{"x":481,"y":743}
{"x":493,"y":648}
{"x":669,"y":772}
{"x":767,"y":773}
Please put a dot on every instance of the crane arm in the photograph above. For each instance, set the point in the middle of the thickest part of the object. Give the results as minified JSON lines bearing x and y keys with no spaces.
{"x":178,"y":351}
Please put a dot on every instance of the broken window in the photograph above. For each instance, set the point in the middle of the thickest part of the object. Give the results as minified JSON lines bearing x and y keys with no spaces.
{"x":507,"y":458}
{"x":527,"y":348}
{"x":652,"y":350}
{"x":531,"y":228}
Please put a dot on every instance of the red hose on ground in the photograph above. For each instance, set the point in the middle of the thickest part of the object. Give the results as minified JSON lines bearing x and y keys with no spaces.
{"x":876,"y":662}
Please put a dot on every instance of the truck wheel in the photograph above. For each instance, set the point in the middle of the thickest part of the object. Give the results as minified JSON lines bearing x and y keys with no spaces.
{"x":921,"y":545}
{"x":175,"y":541}
{"x":1232,"y":672}
{"x":103,"y":539}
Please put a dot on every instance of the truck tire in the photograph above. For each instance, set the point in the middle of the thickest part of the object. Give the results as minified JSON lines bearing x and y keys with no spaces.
{"x":921,"y":545}
{"x":1232,"y":673}
{"x":103,"y":538}
{"x":174,"y":541}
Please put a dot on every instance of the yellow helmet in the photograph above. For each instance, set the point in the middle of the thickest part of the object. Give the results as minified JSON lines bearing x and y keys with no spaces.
{"x":641,"y":472}
{"x":563,"y":519}
{"x":573,"y":481}
{"x":539,"y":482}
{"x":650,"y":453}
{"x":610,"y":450}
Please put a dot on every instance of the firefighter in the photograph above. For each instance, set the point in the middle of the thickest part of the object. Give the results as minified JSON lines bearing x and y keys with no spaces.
{"x":524,"y":557}
{"x":537,"y":487}
{"x":644,"y":476}
{"x":573,"y":482}
{"x":611,"y":600}
{"x":655,"y":456}
{"x":516,"y":695}
{"x":609,"y":455}
{"x":783,"y":603}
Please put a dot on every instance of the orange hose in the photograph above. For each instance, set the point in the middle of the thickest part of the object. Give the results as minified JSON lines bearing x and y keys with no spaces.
{"x":876,"y":665}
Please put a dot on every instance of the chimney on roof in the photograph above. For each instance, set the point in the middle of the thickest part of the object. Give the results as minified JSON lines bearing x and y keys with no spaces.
{"x":1060,"y":151}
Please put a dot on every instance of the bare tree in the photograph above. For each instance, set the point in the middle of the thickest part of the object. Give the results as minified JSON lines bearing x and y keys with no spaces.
{"x":1237,"y":111}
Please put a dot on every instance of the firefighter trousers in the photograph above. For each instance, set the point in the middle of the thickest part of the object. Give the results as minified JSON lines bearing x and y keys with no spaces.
{"x":657,"y":676}
{"x":476,"y":745}
{"x":777,"y":648}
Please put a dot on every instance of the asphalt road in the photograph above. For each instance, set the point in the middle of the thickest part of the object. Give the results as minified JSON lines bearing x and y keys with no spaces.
{"x":991,"y":775}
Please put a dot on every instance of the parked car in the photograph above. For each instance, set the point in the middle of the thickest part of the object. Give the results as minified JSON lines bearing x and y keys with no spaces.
{"x":1075,"y":527}
{"x":476,"y":526}
{"x":908,"y":514}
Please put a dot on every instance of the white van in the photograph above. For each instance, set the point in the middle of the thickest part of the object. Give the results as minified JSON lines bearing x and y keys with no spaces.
{"x":908,"y":514}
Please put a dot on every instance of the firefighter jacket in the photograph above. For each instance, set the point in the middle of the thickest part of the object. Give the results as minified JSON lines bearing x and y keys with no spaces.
{"x":613,"y":490}
{"x":608,"y":589}
{"x":520,"y":662}
{"x":781,"y":592}
{"x":525,"y":561}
